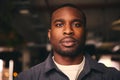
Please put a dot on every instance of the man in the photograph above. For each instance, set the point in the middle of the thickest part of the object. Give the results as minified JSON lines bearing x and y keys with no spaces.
{"x":68,"y":60}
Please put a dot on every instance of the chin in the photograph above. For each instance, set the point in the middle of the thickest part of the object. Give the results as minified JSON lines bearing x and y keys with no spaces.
{"x":69,"y":52}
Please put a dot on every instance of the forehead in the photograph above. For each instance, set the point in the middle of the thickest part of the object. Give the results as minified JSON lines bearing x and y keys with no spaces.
{"x":66,"y":10}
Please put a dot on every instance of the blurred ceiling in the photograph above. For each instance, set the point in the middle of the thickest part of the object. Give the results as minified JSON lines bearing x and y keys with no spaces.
{"x":30,"y":18}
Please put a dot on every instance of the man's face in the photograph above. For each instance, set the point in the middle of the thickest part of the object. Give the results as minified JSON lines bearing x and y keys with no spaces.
{"x":67,"y":33}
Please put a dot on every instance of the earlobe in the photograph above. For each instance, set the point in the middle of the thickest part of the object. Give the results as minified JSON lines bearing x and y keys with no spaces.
{"x":49,"y":31}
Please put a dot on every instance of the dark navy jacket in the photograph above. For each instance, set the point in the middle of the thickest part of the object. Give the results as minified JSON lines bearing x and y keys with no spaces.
{"x":48,"y":71}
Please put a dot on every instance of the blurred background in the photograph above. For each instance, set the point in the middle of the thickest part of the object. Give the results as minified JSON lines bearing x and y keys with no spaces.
{"x":24,"y":25}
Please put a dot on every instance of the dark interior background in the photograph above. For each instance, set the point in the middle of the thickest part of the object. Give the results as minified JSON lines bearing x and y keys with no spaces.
{"x":24,"y":25}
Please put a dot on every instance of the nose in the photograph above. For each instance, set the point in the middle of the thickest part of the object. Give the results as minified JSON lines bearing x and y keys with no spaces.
{"x":68,"y":30}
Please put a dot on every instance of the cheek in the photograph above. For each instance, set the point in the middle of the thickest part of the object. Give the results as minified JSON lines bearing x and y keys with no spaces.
{"x":80,"y":33}
{"x":55,"y":36}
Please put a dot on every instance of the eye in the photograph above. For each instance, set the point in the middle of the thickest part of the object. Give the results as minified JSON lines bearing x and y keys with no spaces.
{"x":59,"y":24}
{"x":76,"y":24}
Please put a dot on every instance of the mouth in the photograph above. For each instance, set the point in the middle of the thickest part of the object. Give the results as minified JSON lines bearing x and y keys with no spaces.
{"x":68,"y":42}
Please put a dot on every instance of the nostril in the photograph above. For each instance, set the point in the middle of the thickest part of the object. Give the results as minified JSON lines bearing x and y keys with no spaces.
{"x":68,"y":30}
{"x":68,"y":33}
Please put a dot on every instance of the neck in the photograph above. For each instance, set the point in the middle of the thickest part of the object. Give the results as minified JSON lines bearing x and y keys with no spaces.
{"x":63,"y":60}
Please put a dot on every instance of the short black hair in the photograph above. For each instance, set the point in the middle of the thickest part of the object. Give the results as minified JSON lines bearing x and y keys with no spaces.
{"x":69,"y":5}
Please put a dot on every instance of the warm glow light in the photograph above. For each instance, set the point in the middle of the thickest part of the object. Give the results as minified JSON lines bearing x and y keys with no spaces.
{"x":15,"y":74}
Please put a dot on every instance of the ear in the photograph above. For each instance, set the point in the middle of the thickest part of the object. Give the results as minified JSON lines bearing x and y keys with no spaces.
{"x":49,"y":32}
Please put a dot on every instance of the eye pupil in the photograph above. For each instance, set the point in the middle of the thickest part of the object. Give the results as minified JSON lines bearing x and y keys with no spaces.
{"x":77,"y":25}
{"x":59,"y":25}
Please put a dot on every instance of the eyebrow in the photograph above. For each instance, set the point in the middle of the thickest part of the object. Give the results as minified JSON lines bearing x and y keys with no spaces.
{"x":61,"y":20}
{"x":58,"y":20}
{"x":78,"y":20}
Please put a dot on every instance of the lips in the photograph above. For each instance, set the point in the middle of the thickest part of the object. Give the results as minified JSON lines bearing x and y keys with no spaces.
{"x":68,"y":42}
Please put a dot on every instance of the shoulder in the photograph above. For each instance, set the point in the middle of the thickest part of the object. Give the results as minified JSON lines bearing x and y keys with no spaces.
{"x":107,"y":70}
{"x":112,"y":71}
{"x":109,"y":73}
{"x":31,"y":73}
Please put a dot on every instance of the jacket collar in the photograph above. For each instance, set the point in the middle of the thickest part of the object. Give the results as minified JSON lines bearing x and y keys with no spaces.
{"x":49,"y":64}
{"x":93,"y":64}
{"x":89,"y":64}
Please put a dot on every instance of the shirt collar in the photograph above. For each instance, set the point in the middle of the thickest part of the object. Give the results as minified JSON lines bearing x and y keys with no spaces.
{"x":89,"y":64}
